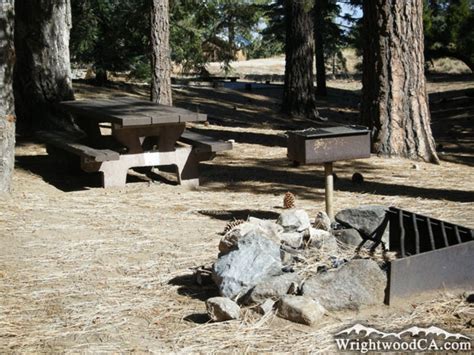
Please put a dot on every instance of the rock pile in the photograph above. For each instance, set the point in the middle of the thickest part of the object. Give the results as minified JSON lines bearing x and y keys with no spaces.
{"x":297,"y":268}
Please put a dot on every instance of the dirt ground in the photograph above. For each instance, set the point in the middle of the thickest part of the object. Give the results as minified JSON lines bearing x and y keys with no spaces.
{"x":89,"y":269}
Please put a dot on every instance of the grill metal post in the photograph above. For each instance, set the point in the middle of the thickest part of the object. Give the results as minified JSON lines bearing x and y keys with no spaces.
{"x":329,"y":191}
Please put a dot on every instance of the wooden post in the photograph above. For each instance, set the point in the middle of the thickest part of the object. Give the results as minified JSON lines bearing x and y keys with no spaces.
{"x":329,"y":177}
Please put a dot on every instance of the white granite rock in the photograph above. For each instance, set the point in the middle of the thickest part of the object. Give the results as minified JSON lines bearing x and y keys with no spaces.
{"x":300,"y":309}
{"x":221,"y":309}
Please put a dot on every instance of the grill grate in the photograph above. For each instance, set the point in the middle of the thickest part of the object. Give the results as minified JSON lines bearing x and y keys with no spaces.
{"x":412,"y":234}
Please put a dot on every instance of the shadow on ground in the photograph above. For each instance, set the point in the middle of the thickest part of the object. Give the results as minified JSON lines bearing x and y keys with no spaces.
{"x":261,"y":108}
{"x":304,"y":182}
{"x":69,"y":179}
{"x":188,"y":287}
{"x":198,"y":318}
{"x":62,"y":178}
{"x":452,"y":114}
{"x":228,"y":215}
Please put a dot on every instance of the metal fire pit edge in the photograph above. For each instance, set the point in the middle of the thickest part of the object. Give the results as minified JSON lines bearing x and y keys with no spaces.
{"x":442,"y":256}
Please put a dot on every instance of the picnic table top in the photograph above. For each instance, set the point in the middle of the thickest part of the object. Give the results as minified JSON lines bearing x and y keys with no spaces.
{"x":129,"y":112}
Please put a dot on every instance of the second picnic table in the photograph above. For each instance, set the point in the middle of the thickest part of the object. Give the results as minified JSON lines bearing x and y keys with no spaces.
{"x":151,"y":135}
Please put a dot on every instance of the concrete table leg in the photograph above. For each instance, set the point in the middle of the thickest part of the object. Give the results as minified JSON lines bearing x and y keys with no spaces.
{"x":188,"y":173}
{"x":115,"y":172}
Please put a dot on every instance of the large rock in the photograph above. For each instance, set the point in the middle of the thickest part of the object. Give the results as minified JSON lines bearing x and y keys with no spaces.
{"x":353,"y":285}
{"x":271,"y":229}
{"x":265,"y":228}
{"x":292,"y":239}
{"x":253,"y":259}
{"x":349,"y":236}
{"x":366,"y":219}
{"x":300,"y":309}
{"x":273,"y":287}
{"x":323,"y":240}
{"x":221,"y":309}
{"x":294,"y":220}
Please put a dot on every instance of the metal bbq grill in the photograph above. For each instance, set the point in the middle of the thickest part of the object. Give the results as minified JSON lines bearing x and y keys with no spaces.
{"x":433,"y":255}
{"x":327,"y":145}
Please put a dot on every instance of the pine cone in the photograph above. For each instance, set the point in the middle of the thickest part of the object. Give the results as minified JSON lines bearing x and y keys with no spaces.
{"x":289,"y":200}
{"x":232,"y":224}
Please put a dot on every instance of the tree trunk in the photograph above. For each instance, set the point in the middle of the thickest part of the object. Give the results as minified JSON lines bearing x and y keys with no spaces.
{"x":394,"y":99}
{"x":319,"y":11}
{"x":101,"y":76}
{"x":42,"y":75}
{"x":298,"y":93}
{"x":160,"y":59}
{"x":231,"y":39}
{"x":7,"y":116}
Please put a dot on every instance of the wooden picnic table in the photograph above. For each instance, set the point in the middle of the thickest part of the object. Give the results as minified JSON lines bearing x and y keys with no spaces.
{"x":133,"y":121}
{"x":149,"y":134}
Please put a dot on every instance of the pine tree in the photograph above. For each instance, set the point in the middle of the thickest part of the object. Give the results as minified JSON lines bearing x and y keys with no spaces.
{"x":161,"y":59}
{"x":394,"y":99}
{"x":7,"y":109}
{"x":298,"y":92}
{"x":42,"y":73}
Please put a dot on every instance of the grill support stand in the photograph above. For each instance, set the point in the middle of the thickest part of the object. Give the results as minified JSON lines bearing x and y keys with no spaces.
{"x":329,"y":190}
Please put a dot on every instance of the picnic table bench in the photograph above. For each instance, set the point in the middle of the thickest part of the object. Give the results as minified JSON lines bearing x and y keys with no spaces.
{"x":142,"y":134}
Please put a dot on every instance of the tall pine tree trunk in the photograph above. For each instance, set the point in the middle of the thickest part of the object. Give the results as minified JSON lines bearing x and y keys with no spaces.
{"x":7,"y":116}
{"x":298,"y":93}
{"x":160,"y":59}
{"x":42,"y":74}
{"x":394,"y":99}
{"x":319,"y":11}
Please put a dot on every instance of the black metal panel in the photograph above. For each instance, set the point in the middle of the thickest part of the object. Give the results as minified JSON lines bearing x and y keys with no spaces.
{"x":447,"y":268}
{"x":433,"y":255}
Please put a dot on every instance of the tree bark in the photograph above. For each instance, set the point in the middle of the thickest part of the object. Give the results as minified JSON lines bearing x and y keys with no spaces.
{"x":319,"y":10}
{"x":42,"y":75}
{"x":160,"y":59}
{"x":394,"y":99}
{"x":298,"y":93}
{"x":7,"y":109}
